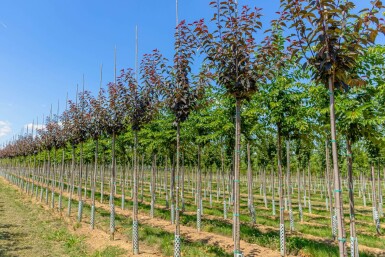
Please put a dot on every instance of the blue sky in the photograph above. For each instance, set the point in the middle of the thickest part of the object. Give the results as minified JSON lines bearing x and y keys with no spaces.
{"x":46,"y":46}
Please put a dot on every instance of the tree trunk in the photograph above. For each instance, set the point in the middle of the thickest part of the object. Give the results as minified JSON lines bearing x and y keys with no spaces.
{"x":102,"y":179}
{"x":374,"y":201}
{"x":236,"y":192}
{"x":223,"y":185}
{"x":93,"y":185}
{"x":165,"y":181}
{"x":380,"y":202}
{"x":61,"y":182}
{"x":299,"y":195}
{"x":337,"y":176}
{"x":280,"y":193}
{"x":264,"y":187}
{"x":53,"y":184}
{"x":80,"y":204}
{"x":309,"y":189}
{"x":273,"y":190}
{"x":153,"y":179}
{"x":199,"y":193}
{"x":172,"y":190}
{"x":135,"y":232}
{"x":48,"y":173}
{"x":353,"y":237}
{"x":85,"y":181}
{"x":112,"y":190}
{"x":289,"y":187}
{"x":182,"y":181}
{"x":123,"y":185}
{"x":34,"y":173}
{"x":142,"y":179}
{"x":250,"y":198}
{"x":72,"y":180}
{"x":177,"y":250}
{"x":329,"y":187}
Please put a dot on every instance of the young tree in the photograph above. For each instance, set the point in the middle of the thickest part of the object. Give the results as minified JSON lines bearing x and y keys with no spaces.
{"x":330,"y":37}
{"x":358,"y":118}
{"x":239,"y":64}
{"x":63,"y":145}
{"x":97,"y":114}
{"x":72,"y":129}
{"x":373,"y":148}
{"x":141,"y":103}
{"x":157,"y":135}
{"x":282,"y":99}
{"x":82,"y":123}
{"x":182,"y":92}
{"x":116,"y":113}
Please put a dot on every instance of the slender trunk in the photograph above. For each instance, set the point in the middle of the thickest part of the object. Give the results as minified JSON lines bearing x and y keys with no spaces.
{"x":80,"y":206}
{"x":102,"y":178}
{"x":53,"y":184}
{"x":93,"y":185}
{"x":142,"y":179}
{"x":304,"y":187}
{"x":217,"y":183}
{"x":165,"y":181}
{"x":86,"y":181}
{"x":123,"y":186}
{"x":210,"y":188}
{"x":182,"y":181}
{"x":309,"y":189}
{"x":153,"y":179}
{"x":72,"y":180}
{"x":280,"y":193}
{"x":384,"y":177}
{"x":289,"y":187}
{"x":380,"y":202}
{"x":33,"y":173}
{"x":48,"y":173}
{"x":135,"y":234}
{"x":364,"y":187}
{"x":112,"y":189}
{"x":177,"y":250}
{"x":250,"y":186}
{"x":273,"y":191}
{"x":329,"y":186}
{"x":223,"y":185}
{"x":264,"y":187}
{"x":299,"y":195}
{"x":236,"y":192}
{"x":353,"y":237}
{"x":374,"y":201}
{"x":199,"y":193}
{"x":337,"y":176}
{"x":172,"y":190}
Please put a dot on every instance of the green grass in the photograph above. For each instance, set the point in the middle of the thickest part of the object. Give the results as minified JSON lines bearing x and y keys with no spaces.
{"x":74,"y":244}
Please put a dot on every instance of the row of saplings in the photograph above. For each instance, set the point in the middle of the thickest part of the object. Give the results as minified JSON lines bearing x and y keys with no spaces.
{"x":59,"y":176}
{"x":329,"y":39}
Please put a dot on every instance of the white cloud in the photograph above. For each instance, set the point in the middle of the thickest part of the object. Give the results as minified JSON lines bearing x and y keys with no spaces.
{"x":5,"y":128}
